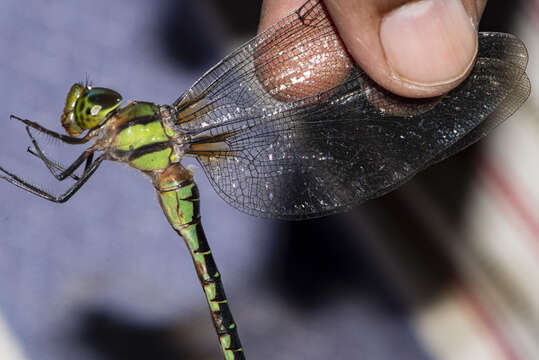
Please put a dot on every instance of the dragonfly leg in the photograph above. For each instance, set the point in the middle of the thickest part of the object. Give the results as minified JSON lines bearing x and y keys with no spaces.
{"x":17,"y":181}
{"x":51,"y":163}
{"x":179,"y":199}
{"x":65,"y":138}
{"x":86,"y":155}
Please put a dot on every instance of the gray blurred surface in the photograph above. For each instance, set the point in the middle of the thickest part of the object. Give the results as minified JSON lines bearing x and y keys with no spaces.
{"x":110,"y":249}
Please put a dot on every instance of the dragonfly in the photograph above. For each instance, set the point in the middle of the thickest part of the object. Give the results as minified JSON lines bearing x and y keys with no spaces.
{"x":287,"y":126}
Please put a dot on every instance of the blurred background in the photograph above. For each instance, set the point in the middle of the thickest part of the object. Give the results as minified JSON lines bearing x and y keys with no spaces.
{"x":444,"y":268}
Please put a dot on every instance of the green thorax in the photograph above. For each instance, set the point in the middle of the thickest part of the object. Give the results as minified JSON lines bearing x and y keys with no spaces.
{"x":138,"y":137}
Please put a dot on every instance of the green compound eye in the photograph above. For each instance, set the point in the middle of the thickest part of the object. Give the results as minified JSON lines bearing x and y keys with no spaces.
{"x":94,"y":106}
{"x":87,"y":107}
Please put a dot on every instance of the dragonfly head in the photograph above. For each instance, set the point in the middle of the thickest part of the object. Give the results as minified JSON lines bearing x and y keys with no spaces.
{"x":87,"y":107}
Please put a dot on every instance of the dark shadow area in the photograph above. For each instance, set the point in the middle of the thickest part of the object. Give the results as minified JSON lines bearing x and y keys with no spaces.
{"x":426,"y":266}
{"x":448,"y":182}
{"x":195,"y":35}
{"x":499,"y":15}
{"x":186,"y":37}
{"x":315,"y":260}
{"x":240,"y":17}
{"x":114,"y":337}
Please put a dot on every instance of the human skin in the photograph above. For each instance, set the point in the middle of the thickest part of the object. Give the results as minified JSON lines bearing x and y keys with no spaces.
{"x":412,"y":48}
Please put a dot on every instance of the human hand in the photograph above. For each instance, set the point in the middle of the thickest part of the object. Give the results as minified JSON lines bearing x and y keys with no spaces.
{"x":412,"y":48}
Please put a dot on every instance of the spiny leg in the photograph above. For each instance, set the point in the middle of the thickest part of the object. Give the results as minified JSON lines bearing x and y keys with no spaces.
{"x":17,"y":181}
{"x":65,"y":138}
{"x":179,"y":199}
{"x":86,"y":155}
{"x":51,"y":163}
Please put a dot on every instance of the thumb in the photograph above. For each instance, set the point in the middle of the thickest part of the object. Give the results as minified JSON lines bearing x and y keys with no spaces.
{"x":415,"y":49}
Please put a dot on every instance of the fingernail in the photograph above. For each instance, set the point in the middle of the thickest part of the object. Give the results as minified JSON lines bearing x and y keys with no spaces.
{"x":429,"y":42}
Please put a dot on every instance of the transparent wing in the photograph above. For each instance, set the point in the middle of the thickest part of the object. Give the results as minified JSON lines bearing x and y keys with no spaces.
{"x":305,"y":140}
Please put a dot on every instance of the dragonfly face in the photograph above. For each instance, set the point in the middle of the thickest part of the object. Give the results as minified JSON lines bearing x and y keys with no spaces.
{"x":87,"y":107}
